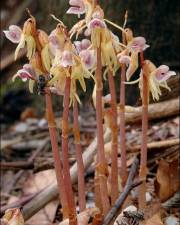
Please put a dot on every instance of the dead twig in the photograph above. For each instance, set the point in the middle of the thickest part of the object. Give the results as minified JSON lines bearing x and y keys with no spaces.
{"x":128,"y":187}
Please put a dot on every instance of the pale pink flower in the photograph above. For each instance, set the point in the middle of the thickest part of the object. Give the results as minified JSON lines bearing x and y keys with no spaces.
{"x":82,"y":45}
{"x":66,"y":59}
{"x":96,"y":23}
{"x":26,"y":73}
{"x":163,"y":73}
{"x":87,"y":32}
{"x":13,"y":34}
{"x":138,"y":44}
{"x":88,"y":57}
{"x":77,"y":7}
{"x":124,"y":59}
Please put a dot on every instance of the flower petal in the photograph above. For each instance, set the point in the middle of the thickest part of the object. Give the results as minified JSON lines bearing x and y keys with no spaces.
{"x":124,"y":59}
{"x":88,"y":57}
{"x":78,"y":7}
{"x":162,"y":73}
{"x":96,"y":23}
{"x":13,"y":34}
{"x":67,"y":59}
{"x":138,"y":44}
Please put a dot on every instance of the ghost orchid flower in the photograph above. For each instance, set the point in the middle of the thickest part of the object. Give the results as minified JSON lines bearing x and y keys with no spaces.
{"x":26,"y":73}
{"x":66,"y":59}
{"x":13,"y":34}
{"x":82,"y":45}
{"x":88,"y":57}
{"x":77,"y":7}
{"x":163,"y":73}
{"x":124,"y":59}
{"x":27,"y":38}
{"x":138,"y":44}
{"x":96,"y":23}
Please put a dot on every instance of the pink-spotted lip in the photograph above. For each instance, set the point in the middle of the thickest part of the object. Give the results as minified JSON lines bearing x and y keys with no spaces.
{"x":88,"y":57}
{"x":138,"y":44}
{"x":13,"y":34}
{"x":163,"y":73}
{"x":66,"y":59}
{"x":96,"y":23}
{"x":26,"y":73}
{"x":124,"y":59}
{"x":82,"y":45}
{"x":77,"y":7}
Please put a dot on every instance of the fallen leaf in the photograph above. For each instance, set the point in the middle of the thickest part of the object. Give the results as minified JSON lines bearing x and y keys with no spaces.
{"x":35,"y":183}
{"x":167,"y":179}
{"x":154,"y":220}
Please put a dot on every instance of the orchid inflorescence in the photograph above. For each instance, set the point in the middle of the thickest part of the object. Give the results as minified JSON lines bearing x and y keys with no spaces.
{"x":58,"y":56}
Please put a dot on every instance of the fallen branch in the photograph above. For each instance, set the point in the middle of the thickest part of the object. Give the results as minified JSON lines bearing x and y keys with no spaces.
{"x":51,"y":192}
{"x":156,"y":144}
{"x":156,"y":111}
{"x":128,"y":187}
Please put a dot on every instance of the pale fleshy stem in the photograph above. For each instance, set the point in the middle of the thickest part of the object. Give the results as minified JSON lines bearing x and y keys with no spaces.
{"x":114,"y":129}
{"x":80,"y":164}
{"x":65,"y":150}
{"x":123,"y":171}
{"x":101,"y":166}
{"x":143,"y":162}
{"x":56,"y":155}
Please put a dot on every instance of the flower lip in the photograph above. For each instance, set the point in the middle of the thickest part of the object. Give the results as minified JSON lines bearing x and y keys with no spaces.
{"x":66,"y":59}
{"x":82,"y":45}
{"x":124,"y":59}
{"x":138,"y":44}
{"x":77,"y":7}
{"x":27,"y":72}
{"x":88,"y":58}
{"x":96,"y":23}
{"x":163,"y":73}
{"x":13,"y":34}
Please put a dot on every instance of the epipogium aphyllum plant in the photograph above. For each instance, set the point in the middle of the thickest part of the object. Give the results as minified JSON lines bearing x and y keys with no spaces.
{"x":56,"y":64}
{"x":150,"y":81}
{"x":105,"y":45}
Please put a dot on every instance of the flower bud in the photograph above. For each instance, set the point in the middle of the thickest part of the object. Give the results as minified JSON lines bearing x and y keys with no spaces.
{"x":36,"y":63}
{"x":29,"y":27}
{"x":43,"y":38}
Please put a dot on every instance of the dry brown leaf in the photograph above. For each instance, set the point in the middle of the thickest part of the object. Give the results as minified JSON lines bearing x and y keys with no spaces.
{"x":167,"y":179}
{"x":154,"y":220}
{"x":34,"y":184}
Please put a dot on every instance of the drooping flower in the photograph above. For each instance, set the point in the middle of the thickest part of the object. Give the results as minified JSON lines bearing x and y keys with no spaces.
{"x":27,"y":38}
{"x":45,"y":49}
{"x":163,"y":73}
{"x":138,"y":44}
{"x":77,"y":7}
{"x":88,"y":58}
{"x":66,"y":59}
{"x":82,"y":45}
{"x":26,"y":73}
{"x":13,"y":34}
{"x":157,"y":78}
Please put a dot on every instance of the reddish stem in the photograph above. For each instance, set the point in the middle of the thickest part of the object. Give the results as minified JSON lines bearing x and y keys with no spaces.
{"x":114,"y":154}
{"x":122,"y":121}
{"x":57,"y":160}
{"x":123,"y":127}
{"x":101,"y":161}
{"x":143,"y":162}
{"x":80,"y":164}
{"x":66,"y":167}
